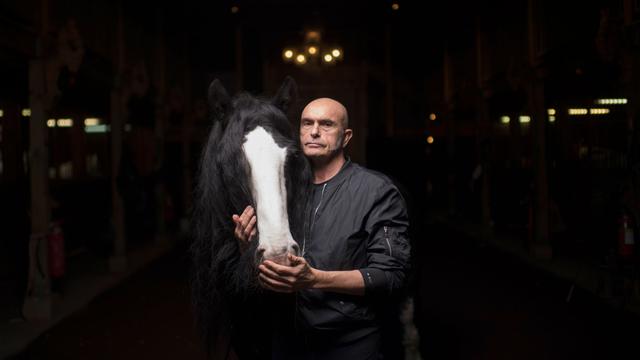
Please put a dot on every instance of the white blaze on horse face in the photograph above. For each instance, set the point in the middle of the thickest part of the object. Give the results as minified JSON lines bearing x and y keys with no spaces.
{"x":266,"y":160}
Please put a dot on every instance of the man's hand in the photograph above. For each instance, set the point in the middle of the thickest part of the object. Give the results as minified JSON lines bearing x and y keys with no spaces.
{"x":245,"y":229}
{"x":299,"y":275}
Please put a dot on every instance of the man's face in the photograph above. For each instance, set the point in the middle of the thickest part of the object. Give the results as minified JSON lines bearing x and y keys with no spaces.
{"x":322,"y":132}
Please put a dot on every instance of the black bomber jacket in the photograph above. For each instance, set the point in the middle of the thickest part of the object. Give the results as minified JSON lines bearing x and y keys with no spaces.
{"x":356,"y":220}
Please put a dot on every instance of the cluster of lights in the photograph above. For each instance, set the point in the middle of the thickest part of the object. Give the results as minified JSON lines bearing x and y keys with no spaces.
{"x":522,"y":119}
{"x":620,"y":101}
{"x":310,"y":52}
{"x":578,"y":111}
{"x":91,"y":121}
{"x":63,"y":123}
{"x":591,"y":111}
{"x":91,"y":125}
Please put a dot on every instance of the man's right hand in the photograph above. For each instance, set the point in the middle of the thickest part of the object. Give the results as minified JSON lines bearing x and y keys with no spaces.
{"x":245,"y":229}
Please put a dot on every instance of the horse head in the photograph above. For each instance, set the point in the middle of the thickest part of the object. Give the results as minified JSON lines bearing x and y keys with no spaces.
{"x":252,"y":157}
{"x":271,"y":163}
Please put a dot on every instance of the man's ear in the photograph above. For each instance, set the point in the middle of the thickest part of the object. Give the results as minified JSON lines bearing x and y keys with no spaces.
{"x":286,"y":95}
{"x":348,"y":133}
{"x":219,"y":100}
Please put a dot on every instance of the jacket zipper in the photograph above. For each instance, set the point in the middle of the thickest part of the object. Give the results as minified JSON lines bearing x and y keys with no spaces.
{"x":386,"y":237}
{"x":313,"y":220}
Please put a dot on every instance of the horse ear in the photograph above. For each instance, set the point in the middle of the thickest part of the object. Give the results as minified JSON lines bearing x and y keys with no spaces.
{"x":286,"y":95}
{"x":219,"y":100}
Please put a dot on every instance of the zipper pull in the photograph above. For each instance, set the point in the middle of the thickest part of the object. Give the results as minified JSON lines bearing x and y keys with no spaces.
{"x":386,"y":237}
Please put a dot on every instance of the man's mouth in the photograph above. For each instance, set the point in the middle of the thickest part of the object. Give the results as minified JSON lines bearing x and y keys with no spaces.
{"x":314,"y":145}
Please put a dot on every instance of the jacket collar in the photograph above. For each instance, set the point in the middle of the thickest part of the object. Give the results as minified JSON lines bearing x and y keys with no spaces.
{"x":341,"y":175}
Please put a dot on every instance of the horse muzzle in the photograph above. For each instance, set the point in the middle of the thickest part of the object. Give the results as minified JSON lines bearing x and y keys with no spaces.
{"x":278,"y":253}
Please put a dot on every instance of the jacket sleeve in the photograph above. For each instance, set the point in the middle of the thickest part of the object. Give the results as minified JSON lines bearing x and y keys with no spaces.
{"x":388,"y":248}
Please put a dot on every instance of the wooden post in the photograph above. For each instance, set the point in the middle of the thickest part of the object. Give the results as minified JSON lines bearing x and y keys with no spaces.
{"x":483,"y":131}
{"x":159,"y":130}
{"x":37,"y":304}
{"x":187,"y":129}
{"x":449,"y":117}
{"x":118,"y":261}
{"x":389,"y":120}
{"x":541,"y":247}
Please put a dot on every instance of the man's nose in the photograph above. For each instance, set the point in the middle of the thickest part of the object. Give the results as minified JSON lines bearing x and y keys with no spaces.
{"x":315,"y":130}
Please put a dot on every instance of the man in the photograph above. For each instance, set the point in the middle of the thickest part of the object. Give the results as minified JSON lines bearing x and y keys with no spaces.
{"x":355,"y":252}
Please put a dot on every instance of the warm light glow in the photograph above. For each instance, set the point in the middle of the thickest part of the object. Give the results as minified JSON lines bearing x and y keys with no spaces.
{"x":127,"y":128}
{"x":524,"y":119}
{"x":395,"y":6}
{"x":336,"y":53}
{"x":301,"y":59}
{"x":313,"y":36}
{"x":552,"y":118}
{"x":64,"y":123}
{"x":328,"y":58}
{"x":312,"y":50}
{"x":51,"y":123}
{"x":551,"y":111}
{"x":287,"y":54}
{"x":619,"y":101}
{"x":1,"y":113}
{"x":26,"y":112}
{"x":578,"y":111}
{"x":432,"y":116}
{"x":598,"y":111}
{"x":430,"y":139}
{"x":235,"y":9}
{"x":505,"y":119}
{"x":91,"y":121}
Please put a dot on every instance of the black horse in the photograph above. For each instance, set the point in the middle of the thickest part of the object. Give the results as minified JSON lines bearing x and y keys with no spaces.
{"x":252,"y":157}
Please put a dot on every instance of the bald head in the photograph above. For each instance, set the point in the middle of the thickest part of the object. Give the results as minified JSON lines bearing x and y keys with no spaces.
{"x":329,"y":108}
{"x":324,"y":133}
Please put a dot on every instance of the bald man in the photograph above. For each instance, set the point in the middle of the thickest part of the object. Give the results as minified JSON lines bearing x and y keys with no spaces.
{"x":355,"y":252}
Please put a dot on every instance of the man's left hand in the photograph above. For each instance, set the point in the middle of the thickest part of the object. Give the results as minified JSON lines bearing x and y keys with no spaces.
{"x":281,"y":278}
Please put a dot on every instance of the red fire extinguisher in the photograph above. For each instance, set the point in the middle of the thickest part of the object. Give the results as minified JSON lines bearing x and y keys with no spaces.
{"x":56,"y":251}
{"x":626,"y":239}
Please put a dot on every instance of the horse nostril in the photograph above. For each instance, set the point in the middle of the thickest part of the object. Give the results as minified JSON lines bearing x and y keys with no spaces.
{"x":260,"y":252}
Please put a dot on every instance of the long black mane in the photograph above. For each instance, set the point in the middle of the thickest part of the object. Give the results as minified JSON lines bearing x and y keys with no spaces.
{"x":224,"y":281}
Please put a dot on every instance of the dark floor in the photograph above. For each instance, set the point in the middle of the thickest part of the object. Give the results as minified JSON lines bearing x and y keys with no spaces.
{"x":477,"y":303}
{"x":148,"y":316}
{"x":472,"y":303}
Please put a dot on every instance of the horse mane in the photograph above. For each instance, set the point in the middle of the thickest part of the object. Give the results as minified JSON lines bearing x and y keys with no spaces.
{"x":223,"y":280}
